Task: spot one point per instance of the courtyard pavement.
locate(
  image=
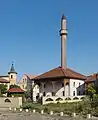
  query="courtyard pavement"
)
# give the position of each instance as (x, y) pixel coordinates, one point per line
(5, 115)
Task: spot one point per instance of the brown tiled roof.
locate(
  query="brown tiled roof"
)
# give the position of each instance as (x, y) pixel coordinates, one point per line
(4, 76)
(30, 76)
(15, 90)
(3, 80)
(91, 78)
(60, 72)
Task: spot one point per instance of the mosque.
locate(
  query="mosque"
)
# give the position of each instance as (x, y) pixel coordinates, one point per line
(60, 83)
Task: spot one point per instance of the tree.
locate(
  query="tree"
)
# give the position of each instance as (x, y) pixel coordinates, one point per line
(91, 91)
(3, 89)
(14, 86)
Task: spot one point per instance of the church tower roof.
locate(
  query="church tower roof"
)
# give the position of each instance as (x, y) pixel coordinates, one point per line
(12, 69)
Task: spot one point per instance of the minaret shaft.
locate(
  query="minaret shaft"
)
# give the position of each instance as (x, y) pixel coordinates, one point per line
(63, 52)
(63, 33)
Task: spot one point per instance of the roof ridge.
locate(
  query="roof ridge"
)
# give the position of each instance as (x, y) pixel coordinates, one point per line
(63, 71)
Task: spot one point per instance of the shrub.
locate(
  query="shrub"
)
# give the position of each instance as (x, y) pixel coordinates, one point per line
(46, 110)
(27, 106)
(95, 112)
(82, 98)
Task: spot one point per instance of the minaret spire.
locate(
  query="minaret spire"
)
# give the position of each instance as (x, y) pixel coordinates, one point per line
(63, 34)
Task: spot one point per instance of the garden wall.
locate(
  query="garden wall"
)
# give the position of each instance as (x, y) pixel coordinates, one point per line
(6, 102)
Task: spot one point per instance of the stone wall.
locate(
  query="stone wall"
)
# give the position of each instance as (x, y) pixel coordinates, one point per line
(61, 99)
(6, 102)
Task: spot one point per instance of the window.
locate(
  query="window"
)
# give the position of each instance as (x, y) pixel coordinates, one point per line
(62, 84)
(39, 84)
(11, 76)
(63, 93)
(7, 100)
(83, 92)
(44, 94)
(53, 94)
(79, 84)
(44, 86)
(73, 93)
(25, 80)
(79, 92)
(23, 86)
(74, 84)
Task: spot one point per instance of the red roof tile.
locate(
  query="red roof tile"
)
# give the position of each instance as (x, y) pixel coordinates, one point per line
(60, 72)
(91, 78)
(15, 90)
(30, 76)
(3, 80)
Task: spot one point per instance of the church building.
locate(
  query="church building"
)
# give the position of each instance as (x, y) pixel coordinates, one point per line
(61, 83)
(10, 78)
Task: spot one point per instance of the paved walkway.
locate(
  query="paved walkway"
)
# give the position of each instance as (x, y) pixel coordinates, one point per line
(30, 116)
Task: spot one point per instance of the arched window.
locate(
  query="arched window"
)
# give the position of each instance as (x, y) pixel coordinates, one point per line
(74, 84)
(11, 76)
(73, 93)
(53, 94)
(62, 84)
(79, 84)
(63, 93)
(7, 100)
(44, 94)
(23, 86)
(79, 93)
(44, 85)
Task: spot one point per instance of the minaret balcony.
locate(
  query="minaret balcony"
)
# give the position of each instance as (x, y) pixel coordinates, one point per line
(63, 32)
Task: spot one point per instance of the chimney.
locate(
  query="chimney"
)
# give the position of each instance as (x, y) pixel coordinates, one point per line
(63, 34)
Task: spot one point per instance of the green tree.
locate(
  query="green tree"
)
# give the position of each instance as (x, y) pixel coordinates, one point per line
(91, 91)
(14, 86)
(3, 89)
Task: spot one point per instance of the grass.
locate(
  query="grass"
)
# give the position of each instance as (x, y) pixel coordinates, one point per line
(81, 108)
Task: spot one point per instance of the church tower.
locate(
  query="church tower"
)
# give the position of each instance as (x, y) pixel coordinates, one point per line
(12, 75)
(63, 34)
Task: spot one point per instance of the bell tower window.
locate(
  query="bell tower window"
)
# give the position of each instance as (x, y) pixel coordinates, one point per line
(11, 76)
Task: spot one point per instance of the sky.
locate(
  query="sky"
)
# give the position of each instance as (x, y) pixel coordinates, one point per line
(29, 35)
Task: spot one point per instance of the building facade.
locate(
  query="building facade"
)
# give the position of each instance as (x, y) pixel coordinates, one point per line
(61, 82)
(91, 80)
(27, 85)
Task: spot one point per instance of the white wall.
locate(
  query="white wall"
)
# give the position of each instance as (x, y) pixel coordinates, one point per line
(58, 89)
(35, 91)
(5, 77)
(76, 88)
(26, 84)
(63, 99)
(23, 82)
(13, 79)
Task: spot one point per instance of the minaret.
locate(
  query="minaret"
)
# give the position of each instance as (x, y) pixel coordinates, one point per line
(63, 34)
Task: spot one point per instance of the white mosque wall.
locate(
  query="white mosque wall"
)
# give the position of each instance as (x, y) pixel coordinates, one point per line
(76, 87)
(72, 88)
